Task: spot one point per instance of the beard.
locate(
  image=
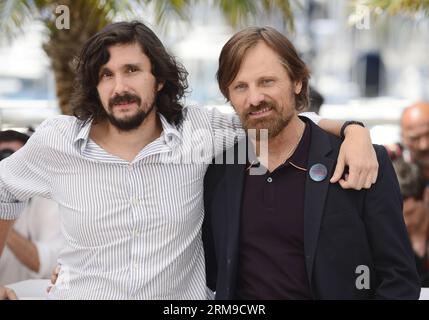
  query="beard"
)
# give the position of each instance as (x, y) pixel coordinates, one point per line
(421, 158)
(131, 122)
(274, 123)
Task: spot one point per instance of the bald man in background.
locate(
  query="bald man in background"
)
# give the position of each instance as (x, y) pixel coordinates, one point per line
(415, 138)
(415, 134)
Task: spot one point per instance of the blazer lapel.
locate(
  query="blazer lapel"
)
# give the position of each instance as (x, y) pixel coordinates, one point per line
(315, 194)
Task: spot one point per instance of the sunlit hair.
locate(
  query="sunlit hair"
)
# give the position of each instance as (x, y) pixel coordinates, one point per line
(85, 101)
(234, 51)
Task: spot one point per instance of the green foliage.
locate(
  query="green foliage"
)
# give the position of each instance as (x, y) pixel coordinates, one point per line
(15, 13)
(399, 6)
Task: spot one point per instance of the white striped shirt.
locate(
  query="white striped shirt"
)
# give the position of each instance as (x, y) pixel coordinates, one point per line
(132, 230)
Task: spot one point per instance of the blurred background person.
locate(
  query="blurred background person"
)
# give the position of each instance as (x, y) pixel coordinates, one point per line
(34, 242)
(316, 100)
(415, 135)
(416, 215)
(414, 145)
(411, 163)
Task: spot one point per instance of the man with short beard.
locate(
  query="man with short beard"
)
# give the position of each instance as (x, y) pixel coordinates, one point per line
(127, 171)
(289, 233)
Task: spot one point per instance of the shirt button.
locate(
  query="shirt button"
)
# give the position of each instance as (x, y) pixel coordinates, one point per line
(269, 179)
(135, 266)
(130, 167)
(134, 200)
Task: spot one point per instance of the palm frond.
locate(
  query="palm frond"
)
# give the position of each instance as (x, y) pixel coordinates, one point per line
(237, 12)
(14, 14)
(165, 10)
(394, 7)
(284, 7)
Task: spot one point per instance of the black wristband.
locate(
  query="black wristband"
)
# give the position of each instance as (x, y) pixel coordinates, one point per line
(346, 124)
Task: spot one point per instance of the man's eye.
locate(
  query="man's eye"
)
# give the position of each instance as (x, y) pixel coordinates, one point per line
(240, 86)
(131, 69)
(267, 81)
(105, 75)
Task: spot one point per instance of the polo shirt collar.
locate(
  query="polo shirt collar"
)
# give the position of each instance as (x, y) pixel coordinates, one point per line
(299, 157)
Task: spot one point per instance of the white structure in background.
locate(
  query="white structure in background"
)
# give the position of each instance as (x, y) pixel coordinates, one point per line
(24, 58)
(380, 115)
(26, 84)
(199, 52)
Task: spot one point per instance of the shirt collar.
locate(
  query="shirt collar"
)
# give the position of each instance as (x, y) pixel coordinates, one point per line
(299, 157)
(171, 134)
(83, 135)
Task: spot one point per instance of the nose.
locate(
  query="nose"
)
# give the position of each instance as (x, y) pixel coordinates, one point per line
(120, 86)
(255, 96)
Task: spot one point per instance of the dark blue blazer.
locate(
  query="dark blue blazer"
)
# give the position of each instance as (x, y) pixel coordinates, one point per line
(343, 229)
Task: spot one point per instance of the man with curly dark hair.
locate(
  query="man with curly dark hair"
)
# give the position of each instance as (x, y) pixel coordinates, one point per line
(169, 76)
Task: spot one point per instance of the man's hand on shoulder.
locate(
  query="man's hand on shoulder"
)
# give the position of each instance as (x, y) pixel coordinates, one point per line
(356, 152)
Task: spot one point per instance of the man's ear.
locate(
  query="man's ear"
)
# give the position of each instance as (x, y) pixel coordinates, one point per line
(159, 86)
(298, 87)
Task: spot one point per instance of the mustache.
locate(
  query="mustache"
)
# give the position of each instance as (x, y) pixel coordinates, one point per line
(260, 106)
(126, 97)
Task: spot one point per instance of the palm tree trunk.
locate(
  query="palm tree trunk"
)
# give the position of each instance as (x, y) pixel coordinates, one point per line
(64, 45)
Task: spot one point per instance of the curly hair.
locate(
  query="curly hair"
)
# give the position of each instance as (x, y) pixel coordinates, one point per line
(85, 101)
(234, 51)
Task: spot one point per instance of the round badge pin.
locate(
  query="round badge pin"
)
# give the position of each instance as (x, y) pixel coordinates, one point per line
(318, 172)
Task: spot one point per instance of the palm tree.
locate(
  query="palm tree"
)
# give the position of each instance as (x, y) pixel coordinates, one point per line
(89, 16)
(398, 6)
